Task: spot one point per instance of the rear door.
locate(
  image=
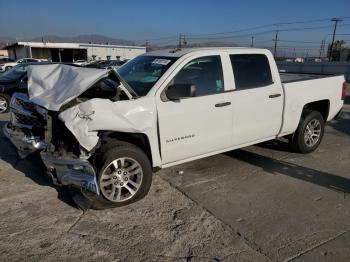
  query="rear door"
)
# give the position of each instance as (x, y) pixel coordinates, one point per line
(196, 125)
(257, 99)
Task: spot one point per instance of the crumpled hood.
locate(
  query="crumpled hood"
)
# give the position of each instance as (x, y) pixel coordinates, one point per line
(52, 86)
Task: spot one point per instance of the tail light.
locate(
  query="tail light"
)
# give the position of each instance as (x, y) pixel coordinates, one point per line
(343, 93)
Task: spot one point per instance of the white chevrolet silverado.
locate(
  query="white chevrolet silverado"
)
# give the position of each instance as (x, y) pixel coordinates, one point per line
(105, 131)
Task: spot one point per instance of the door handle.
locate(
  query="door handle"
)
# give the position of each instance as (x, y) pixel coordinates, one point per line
(274, 95)
(223, 104)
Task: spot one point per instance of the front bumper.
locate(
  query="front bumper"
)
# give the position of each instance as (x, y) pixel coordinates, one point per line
(71, 172)
(25, 145)
(68, 171)
(63, 171)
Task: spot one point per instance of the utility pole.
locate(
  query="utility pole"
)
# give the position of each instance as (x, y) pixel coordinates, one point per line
(336, 21)
(147, 45)
(180, 40)
(322, 48)
(184, 40)
(252, 43)
(276, 39)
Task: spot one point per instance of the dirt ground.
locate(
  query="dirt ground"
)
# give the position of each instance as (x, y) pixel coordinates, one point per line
(261, 203)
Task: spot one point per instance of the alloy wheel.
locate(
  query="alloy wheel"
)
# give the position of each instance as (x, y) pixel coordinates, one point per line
(121, 179)
(312, 133)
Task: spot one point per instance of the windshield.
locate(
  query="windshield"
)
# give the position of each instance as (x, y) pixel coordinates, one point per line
(143, 72)
(16, 72)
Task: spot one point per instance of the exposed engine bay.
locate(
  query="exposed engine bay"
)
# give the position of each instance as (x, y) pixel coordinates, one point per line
(40, 124)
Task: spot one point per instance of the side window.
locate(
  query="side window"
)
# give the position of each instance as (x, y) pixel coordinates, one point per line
(251, 71)
(205, 73)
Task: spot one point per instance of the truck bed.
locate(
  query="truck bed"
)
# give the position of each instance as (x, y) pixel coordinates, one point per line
(295, 77)
(302, 89)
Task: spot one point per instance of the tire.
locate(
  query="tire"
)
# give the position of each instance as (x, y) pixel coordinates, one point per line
(309, 133)
(8, 68)
(109, 179)
(4, 103)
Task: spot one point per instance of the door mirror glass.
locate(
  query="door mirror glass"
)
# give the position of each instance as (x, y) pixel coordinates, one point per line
(178, 91)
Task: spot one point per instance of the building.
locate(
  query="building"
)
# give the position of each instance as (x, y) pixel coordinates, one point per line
(3, 53)
(70, 52)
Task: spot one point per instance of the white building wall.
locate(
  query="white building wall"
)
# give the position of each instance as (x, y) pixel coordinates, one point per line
(3, 53)
(100, 51)
(113, 52)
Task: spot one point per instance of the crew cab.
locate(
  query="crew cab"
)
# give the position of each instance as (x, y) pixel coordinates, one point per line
(106, 131)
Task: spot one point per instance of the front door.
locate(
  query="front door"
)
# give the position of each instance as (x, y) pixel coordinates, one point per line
(200, 124)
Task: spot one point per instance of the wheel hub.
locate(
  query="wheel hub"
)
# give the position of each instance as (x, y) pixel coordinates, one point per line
(119, 177)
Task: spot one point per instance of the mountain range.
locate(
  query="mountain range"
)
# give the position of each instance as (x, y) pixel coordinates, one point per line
(100, 39)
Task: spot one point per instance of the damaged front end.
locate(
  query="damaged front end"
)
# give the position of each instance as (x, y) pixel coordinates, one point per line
(66, 116)
(33, 129)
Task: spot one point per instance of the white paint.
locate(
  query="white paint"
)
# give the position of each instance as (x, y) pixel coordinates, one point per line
(193, 128)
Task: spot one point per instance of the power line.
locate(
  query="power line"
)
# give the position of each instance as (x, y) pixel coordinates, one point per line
(294, 41)
(265, 26)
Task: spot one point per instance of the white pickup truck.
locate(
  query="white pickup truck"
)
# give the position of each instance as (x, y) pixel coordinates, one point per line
(106, 132)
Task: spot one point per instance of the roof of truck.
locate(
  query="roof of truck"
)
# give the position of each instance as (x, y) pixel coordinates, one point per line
(183, 51)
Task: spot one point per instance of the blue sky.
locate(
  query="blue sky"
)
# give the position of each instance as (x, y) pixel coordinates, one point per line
(136, 20)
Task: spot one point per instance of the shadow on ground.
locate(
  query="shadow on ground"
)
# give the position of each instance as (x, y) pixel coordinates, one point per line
(32, 167)
(343, 124)
(347, 100)
(274, 166)
(276, 145)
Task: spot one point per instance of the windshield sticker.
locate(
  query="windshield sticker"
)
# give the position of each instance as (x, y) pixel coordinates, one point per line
(160, 61)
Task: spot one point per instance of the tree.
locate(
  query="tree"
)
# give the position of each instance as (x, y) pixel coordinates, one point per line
(337, 47)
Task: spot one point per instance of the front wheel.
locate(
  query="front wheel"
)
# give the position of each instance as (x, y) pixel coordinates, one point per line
(309, 133)
(125, 176)
(4, 103)
(8, 68)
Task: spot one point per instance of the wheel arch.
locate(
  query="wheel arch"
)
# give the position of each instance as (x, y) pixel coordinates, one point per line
(321, 106)
(140, 140)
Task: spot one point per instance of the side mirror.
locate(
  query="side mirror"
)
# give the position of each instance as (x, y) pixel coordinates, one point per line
(178, 91)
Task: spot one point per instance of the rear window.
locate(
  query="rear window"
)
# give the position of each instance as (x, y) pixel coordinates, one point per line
(251, 70)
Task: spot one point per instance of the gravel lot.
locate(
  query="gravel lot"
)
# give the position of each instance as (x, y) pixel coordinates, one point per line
(260, 203)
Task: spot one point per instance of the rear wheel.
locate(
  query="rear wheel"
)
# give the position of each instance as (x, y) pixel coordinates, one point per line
(4, 103)
(125, 176)
(309, 133)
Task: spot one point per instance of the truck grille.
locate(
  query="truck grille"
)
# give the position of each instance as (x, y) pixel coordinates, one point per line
(27, 120)
(25, 114)
(25, 104)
